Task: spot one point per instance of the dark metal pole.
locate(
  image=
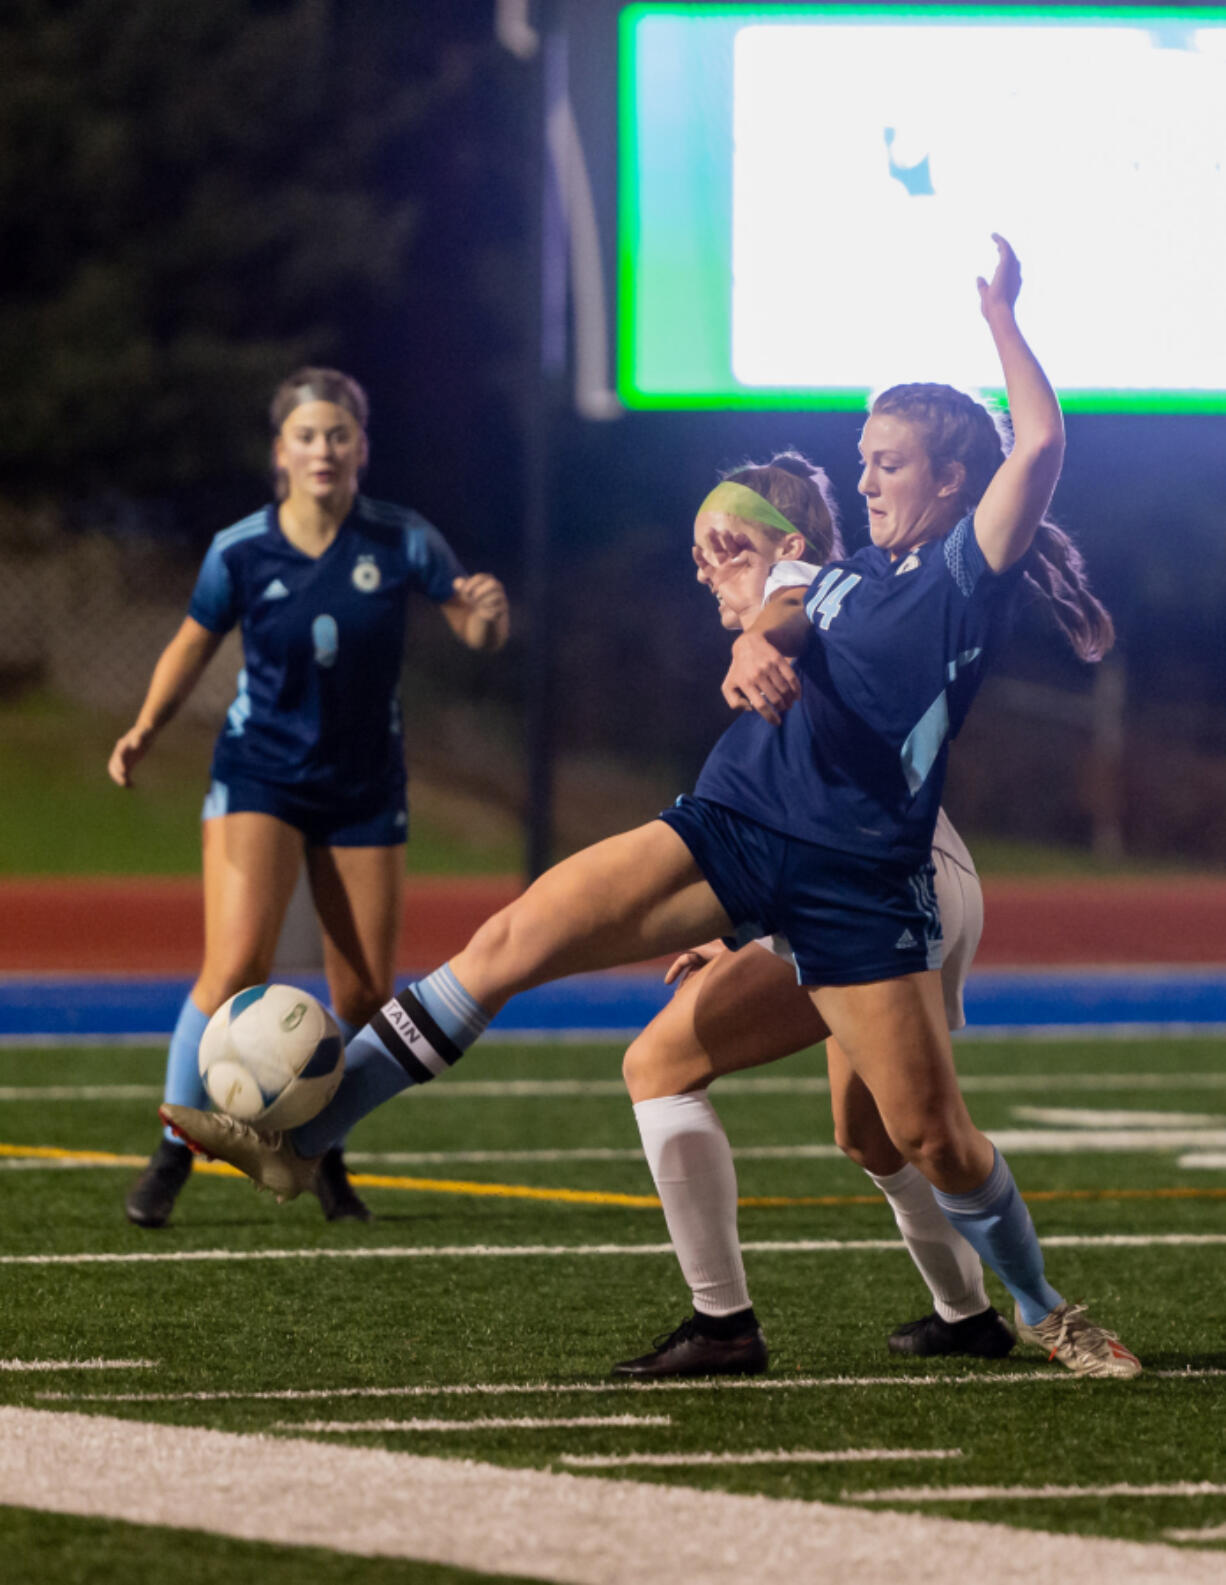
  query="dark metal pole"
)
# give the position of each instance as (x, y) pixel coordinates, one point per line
(542, 384)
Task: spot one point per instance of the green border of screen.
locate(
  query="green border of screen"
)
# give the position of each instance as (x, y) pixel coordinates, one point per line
(629, 304)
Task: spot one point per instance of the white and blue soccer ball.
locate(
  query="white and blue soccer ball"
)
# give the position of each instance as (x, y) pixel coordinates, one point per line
(272, 1056)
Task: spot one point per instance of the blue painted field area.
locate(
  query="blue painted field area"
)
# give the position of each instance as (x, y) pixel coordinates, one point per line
(67, 1007)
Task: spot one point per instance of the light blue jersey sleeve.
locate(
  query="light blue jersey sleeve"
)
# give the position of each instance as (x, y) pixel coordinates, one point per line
(431, 558)
(213, 604)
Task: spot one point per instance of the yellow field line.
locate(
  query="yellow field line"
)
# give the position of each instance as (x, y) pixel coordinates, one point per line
(106, 1158)
(524, 1191)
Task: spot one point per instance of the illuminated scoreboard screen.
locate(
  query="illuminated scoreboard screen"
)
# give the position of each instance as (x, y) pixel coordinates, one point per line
(807, 193)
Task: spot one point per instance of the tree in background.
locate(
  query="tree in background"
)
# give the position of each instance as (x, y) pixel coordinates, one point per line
(193, 198)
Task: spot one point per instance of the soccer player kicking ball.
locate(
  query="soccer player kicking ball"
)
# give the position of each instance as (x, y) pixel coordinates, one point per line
(813, 818)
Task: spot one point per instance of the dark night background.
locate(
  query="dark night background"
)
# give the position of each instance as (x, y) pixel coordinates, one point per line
(193, 199)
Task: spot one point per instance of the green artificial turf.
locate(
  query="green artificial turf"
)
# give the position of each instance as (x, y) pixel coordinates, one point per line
(411, 1323)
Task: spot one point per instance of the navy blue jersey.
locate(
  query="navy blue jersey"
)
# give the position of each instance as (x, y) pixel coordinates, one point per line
(897, 653)
(318, 704)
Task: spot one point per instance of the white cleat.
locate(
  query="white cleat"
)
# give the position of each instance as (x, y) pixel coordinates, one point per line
(1087, 1349)
(269, 1159)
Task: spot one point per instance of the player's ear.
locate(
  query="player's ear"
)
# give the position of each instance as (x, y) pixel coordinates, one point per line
(792, 548)
(953, 478)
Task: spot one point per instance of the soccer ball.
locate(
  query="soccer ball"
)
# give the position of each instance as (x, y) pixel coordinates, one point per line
(272, 1056)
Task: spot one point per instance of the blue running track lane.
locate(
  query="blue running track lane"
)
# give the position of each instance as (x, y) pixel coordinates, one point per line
(67, 1007)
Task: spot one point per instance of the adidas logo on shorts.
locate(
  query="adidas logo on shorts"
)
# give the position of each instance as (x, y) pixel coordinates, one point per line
(905, 941)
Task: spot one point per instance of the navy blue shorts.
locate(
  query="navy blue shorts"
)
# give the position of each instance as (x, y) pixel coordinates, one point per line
(850, 920)
(378, 823)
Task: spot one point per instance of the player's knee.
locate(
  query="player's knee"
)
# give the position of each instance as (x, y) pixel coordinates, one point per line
(851, 1144)
(638, 1070)
(939, 1147)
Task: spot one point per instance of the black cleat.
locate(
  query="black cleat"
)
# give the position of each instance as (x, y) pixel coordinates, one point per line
(690, 1352)
(339, 1199)
(984, 1336)
(152, 1197)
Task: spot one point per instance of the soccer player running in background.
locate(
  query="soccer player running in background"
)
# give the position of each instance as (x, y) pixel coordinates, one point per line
(813, 817)
(310, 760)
(763, 529)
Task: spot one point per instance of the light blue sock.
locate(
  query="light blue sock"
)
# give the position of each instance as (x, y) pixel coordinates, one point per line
(347, 1029)
(416, 1036)
(184, 1086)
(996, 1224)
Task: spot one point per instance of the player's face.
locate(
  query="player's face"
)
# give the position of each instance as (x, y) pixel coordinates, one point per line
(907, 504)
(321, 449)
(720, 539)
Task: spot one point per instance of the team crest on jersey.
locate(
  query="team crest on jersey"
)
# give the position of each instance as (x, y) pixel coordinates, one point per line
(366, 574)
(907, 564)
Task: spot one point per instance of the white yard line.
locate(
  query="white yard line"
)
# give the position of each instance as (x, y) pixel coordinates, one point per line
(1038, 1376)
(576, 1530)
(78, 1364)
(847, 1455)
(796, 1246)
(539, 1089)
(781, 1084)
(1077, 1141)
(1204, 1161)
(1013, 1141)
(481, 1423)
(1090, 1117)
(80, 1092)
(1178, 1488)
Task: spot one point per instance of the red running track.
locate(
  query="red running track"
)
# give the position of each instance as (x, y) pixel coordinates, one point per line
(154, 926)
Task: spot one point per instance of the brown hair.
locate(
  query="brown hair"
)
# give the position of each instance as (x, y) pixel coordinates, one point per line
(959, 428)
(801, 492)
(318, 385)
(313, 384)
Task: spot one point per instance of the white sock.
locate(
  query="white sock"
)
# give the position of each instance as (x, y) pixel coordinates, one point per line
(943, 1258)
(691, 1161)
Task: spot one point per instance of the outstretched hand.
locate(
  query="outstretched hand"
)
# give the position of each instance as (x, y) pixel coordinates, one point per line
(738, 578)
(723, 546)
(1002, 290)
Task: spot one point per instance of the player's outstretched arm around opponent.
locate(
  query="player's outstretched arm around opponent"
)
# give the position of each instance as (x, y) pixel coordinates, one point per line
(737, 1010)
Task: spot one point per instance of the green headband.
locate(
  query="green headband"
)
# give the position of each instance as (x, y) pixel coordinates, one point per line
(738, 500)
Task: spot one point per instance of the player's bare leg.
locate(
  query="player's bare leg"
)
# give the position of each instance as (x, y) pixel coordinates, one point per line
(894, 1035)
(636, 896)
(356, 892)
(250, 864)
(742, 1010)
(962, 1320)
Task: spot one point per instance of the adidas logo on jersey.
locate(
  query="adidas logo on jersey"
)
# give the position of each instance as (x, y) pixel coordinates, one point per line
(904, 941)
(276, 590)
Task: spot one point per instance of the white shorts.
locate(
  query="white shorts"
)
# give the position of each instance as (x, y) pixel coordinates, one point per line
(960, 900)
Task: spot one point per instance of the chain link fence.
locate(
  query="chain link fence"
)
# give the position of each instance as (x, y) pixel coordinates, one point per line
(83, 617)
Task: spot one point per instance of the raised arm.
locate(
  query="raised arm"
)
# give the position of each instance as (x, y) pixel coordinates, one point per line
(1021, 489)
(478, 613)
(177, 672)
